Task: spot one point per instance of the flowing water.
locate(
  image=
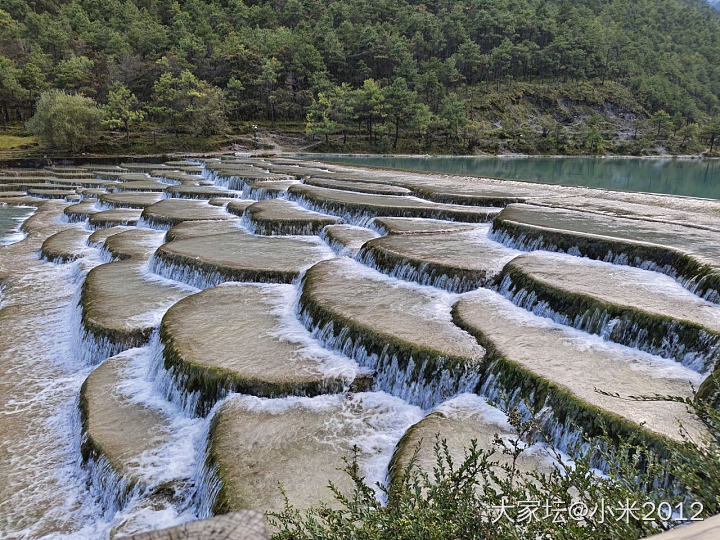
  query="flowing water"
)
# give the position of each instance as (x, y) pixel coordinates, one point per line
(45, 489)
(688, 177)
(11, 217)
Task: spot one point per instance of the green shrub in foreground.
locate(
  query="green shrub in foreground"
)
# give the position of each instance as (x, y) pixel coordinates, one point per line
(483, 498)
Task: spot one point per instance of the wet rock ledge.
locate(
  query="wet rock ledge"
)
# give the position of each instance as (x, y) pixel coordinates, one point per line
(242, 525)
(264, 317)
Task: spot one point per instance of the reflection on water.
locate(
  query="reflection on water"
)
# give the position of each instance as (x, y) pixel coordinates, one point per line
(690, 177)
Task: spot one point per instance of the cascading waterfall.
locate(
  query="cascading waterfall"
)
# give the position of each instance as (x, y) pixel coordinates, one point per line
(172, 384)
(389, 376)
(58, 379)
(167, 474)
(109, 489)
(701, 357)
(147, 222)
(247, 225)
(259, 193)
(102, 499)
(206, 482)
(563, 436)
(421, 273)
(89, 348)
(73, 218)
(149, 381)
(338, 248)
(200, 279)
(234, 183)
(695, 284)
(361, 218)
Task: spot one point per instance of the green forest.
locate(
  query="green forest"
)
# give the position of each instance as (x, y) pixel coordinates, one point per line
(551, 76)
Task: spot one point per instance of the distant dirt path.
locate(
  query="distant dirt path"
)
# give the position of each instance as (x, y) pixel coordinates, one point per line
(279, 142)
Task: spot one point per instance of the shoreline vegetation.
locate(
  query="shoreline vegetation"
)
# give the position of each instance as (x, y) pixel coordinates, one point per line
(462, 77)
(25, 150)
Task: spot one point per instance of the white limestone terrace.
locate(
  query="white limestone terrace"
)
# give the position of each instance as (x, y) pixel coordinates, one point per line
(376, 308)
(644, 309)
(686, 252)
(701, 213)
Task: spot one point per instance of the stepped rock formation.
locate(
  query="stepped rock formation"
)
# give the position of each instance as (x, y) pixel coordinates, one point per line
(169, 212)
(278, 216)
(182, 337)
(456, 261)
(458, 422)
(232, 338)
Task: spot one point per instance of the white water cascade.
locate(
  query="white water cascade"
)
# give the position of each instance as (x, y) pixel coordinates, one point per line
(49, 355)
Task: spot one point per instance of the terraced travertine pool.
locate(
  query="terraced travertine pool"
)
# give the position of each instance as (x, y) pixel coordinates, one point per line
(176, 339)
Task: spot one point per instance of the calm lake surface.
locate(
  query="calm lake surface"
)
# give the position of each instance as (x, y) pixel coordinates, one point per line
(11, 217)
(690, 177)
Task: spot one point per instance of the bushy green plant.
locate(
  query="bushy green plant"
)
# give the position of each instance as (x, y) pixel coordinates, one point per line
(573, 501)
(66, 121)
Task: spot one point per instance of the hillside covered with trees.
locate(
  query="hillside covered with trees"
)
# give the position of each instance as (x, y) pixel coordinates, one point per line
(554, 76)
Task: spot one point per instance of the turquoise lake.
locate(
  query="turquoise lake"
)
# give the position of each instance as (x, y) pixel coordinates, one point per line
(689, 177)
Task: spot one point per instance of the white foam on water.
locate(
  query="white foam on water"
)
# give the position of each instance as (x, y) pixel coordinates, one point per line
(291, 330)
(398, 376)
(147, 274)
(12, 238)
(524, 242)
(175, 459)
(173, 462)
(441, 300)
(372, 421)
(652, 365)
(422, 273)
(171, 385)
(180, 273)
(648, 281)
(48, 486)
(144, 223)
(699, 355)
(465, 406)
(168, 181)
(340, 249)
(386, 420)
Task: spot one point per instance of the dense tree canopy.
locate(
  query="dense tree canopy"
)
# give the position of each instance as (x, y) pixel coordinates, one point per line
(287, 59)
(66, 121)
